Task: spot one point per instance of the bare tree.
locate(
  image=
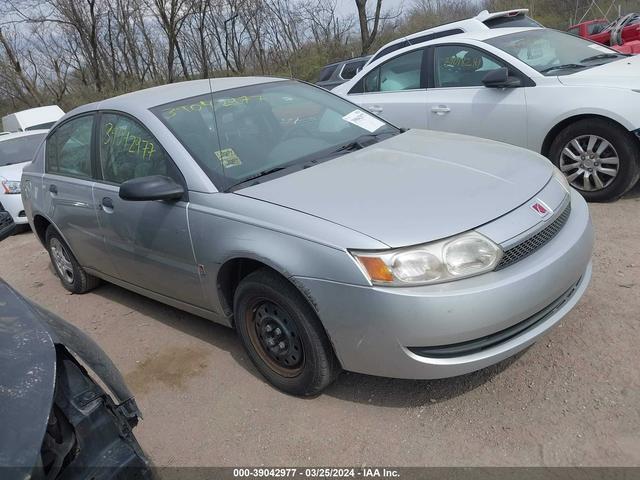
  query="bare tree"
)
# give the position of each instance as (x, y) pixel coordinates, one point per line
(171, 15)
(368, 32)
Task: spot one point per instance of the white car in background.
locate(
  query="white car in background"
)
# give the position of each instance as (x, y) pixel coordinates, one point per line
(37, 118)
(16, 151)
(572, 100)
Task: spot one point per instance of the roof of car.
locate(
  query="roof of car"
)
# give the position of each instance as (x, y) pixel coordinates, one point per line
(28, 133)
(151, 97)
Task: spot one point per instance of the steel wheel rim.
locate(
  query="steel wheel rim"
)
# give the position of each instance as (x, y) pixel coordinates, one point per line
(590, 163)
(274, 335)
(61, 260)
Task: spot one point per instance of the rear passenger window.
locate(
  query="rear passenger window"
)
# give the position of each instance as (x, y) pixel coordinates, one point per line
(69, 148)
(403, 72)
(128, 150)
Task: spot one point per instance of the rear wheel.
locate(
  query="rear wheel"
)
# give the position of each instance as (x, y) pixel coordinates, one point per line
(599, 158)
(71, 274)
(283, 335)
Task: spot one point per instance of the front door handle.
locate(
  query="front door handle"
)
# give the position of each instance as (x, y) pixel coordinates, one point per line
(440, 110)
(107, 205)
(53, 189)
(375, 109)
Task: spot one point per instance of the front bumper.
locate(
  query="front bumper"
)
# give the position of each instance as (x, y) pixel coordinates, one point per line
(12, 203)
(372, 328)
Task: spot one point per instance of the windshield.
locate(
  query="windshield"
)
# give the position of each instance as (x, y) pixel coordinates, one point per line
(554, 53)
(251, 132)
(19, 150)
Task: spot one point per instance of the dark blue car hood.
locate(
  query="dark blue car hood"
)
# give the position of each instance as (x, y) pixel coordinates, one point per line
(28, 338)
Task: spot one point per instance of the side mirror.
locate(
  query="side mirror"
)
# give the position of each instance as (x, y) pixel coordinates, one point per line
(7, 226)
(500, 78)
(155, 187)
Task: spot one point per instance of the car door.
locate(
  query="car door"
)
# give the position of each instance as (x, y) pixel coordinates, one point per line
(460, 103)
(66, 191)
(148, 241)
(396, 90)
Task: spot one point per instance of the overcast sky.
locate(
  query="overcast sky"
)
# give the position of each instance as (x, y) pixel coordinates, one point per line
(346, 7)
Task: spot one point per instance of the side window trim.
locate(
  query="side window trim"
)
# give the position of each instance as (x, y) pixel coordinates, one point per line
(96, 153)
(47, 171)
(526, 80)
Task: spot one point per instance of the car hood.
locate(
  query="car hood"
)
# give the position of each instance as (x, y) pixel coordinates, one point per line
(27, 381)
(13, 172)
(28, 336)
(413, 188)
(624, 73)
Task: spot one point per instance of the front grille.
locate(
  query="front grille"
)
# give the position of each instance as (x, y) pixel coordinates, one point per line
(479, 344)
(532, 244)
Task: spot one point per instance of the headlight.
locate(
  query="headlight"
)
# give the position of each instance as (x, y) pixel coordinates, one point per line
(11, 186)
(456, 257)
(560, 177)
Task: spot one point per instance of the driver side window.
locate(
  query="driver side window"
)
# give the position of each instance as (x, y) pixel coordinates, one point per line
(128, 150)
(461, 66)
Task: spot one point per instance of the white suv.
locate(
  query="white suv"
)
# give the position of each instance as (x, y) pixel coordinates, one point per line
(483, 21)
(575, 101)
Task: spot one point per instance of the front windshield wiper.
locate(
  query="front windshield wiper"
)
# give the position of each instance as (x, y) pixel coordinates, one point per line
(601, 56)
(360, 142)
(263, 173)
(563, 67)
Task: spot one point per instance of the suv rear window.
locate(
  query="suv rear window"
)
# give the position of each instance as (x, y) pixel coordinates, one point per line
(326, 72)
(351, 68)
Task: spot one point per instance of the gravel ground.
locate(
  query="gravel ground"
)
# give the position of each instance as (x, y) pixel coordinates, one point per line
(571, 399)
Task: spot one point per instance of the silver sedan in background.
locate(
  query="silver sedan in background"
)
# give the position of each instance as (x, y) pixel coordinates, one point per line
(328, 238)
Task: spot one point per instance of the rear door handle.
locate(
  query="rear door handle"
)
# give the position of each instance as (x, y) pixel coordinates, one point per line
(375, 109)
(107, 205)
(440, 109)
(53, 189)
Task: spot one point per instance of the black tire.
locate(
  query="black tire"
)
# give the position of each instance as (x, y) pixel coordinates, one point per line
(625, 145)
(73, 277)
(303, 334)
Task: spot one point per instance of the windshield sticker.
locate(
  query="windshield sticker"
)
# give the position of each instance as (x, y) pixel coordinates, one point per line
(363, 120)
(228, 158)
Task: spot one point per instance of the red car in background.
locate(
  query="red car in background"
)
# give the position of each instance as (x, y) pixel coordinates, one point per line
(622, 35)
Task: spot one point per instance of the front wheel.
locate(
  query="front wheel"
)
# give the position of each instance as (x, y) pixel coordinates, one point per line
(282, 335)
(599, 158)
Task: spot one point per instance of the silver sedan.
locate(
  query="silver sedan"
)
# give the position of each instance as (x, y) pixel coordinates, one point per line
(328, 238)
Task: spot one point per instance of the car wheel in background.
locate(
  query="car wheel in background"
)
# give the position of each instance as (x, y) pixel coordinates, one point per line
(71, 274)
(599, 158)
(282, 335)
